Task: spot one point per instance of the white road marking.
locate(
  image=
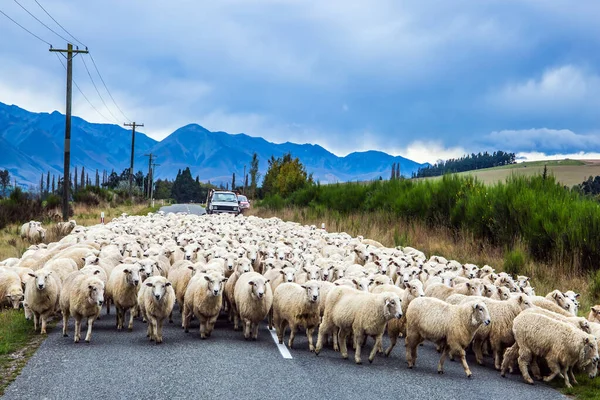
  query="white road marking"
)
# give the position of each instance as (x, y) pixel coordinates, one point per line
(285, 353)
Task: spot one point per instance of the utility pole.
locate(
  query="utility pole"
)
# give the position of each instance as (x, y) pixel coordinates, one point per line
(152, 184)
(244, 178)
(133, 126)
(149, 172)
(66, 173)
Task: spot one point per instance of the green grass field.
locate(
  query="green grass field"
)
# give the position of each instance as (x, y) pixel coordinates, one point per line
(567, 172)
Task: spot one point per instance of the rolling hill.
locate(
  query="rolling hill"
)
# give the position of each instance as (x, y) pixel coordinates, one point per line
(32, 143)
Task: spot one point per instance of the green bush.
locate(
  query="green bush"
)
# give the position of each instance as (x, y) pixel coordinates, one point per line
(52, 201)
(595, 285)
(514, 261)
(274, 202)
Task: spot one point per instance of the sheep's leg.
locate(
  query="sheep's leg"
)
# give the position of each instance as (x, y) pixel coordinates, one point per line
(211, 325)
(171, 317)
(77, 335)
(477, 349)
(65, 323)
(236, 321)
(442, 359)
(535, 369)
(572, 375)
(107, 306)
(309, 334)
(376, 347)
(246, 329)
(36, 318)
(463, 360)
(509, 358)
(255, 331)
(524, 360)
(336, 339)
(270, 318)
(497, 350)
(158, 324)
(554, 370)
(324, 329)
(149, 330)
(131, 315)
(293, 329)
(411, 342)
(342, 336)
(44, 318)
(185, 318)
(393, 331)
(202, 328)
(90, 322)
(119, 318)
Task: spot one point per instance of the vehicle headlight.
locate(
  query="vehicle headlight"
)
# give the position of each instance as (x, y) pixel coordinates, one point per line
(210, 207)
(235, 208)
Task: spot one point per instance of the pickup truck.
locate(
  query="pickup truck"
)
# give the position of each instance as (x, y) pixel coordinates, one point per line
(220, 201)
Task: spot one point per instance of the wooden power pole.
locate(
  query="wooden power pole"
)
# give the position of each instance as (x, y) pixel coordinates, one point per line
(133, 125)
(66, 173)
(149, 173)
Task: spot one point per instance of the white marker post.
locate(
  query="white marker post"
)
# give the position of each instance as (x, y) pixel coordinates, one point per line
(102, 217)
(323, 225)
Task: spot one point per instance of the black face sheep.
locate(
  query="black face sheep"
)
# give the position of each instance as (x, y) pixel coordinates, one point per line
(449, 326)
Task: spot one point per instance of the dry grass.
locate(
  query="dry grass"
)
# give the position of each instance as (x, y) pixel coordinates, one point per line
(461, 246)
(565, 172)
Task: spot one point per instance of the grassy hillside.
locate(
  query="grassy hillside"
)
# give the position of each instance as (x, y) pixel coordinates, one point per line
(567, 172)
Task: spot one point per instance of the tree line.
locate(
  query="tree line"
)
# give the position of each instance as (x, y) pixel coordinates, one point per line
(468, 162)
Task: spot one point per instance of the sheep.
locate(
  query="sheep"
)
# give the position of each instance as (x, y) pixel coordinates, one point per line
(414, 289)
(549, 305)
(11, 290)
(81, 296)
(562, 345)
(41, 295)
(557, 297)
(243, 266)
(295, 305)
(61, 267)
(499, 332)
(442, 292)
(203, 298)
(122, 289)
(156, 299)
(253, 299)
(64, 228)
(309, 273)
(594, 315)
(451, 327)
(571, 295)
(360, 313)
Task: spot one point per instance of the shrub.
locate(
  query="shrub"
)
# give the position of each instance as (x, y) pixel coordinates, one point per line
(52, 201)
(274, 202)
(514, 261)
(595, 285)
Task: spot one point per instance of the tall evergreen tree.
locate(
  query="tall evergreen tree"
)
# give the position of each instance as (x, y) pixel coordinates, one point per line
(393, 172)
(48, 182)
(74, 180)
(53, 184)
(97, 179)
(82, 186)
(233, 181)
(254, 175)
(398, 171)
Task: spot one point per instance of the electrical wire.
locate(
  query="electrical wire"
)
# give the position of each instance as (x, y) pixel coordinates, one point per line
(106, 87)
(97, 91)
(25, 29)
(57, 23)
(81, 91)
(38, 20)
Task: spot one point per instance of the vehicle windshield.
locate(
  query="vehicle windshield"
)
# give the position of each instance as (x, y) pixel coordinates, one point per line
(226, 197)
(242, 198)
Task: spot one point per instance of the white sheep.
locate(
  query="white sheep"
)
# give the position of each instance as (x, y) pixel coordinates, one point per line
(156, 298)
(451, 327)
(296, 305)
(203, 298)
(11, 290)
(41, 295)
(82, 297)
(122, 288)
(360, 313)
(253, 299)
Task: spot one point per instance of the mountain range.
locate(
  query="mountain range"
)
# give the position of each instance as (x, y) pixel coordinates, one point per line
(32, 144)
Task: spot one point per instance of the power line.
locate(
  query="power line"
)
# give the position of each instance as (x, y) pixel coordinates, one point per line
(25, 29)
(106, 87)
(97, 91)
(57, 23)
(38, 20)
(80, 91)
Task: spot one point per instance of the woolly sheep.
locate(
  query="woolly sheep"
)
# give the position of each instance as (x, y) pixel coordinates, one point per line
(203, 298)
(253, 299)
(156, 298)
(295, 305)
(452, 327)
(61, 267)
(562, 301)
(359, 313)
(442, 292)
(11, 290)
(122, 288)
(82, 297)
(562, 345)
(594, 315)
(41, 295)
(549, 305)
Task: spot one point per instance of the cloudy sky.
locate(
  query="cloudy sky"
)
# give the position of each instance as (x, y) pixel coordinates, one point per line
(422, 79)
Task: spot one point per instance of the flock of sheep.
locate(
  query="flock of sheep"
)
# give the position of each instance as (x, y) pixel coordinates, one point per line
(295, 276)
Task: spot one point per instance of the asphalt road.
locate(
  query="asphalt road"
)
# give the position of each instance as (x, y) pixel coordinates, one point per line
(125, 365)
(187, 208)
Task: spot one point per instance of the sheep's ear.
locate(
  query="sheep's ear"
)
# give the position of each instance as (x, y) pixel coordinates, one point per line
(586, 340)
(97, 272)
(267, 281)
(475, 306)
(372, 280)
(354, 281)
(251, 283)
(148, 284)
(555, 295)
(127, 271)
(577, 295)
(305, 270)
(207, 278)
(377, 263)
(336, 284)
(121, 261)
(31, 274)
(282, 272)
(222, 280)
(191, 267)
(90, 287)
(499, 290)
(468, 285)
(520, 299)
(83, 258)
(303, 286)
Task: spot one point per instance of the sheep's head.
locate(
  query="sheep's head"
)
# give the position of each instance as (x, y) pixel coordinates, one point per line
(312, 273)
(481, 314)
(415, 288)
(392, 305)
(489, 290)
(132, 274)
(15, 296)
(259, 287)
(474, 288)
(363, 284)
(215, 283)
(159, 286)
(595, 314)
(589, 352)
(503, 293)
(312, 291)
(40, 278)
(243, 265)
(523, 301)
(96, 292)
(289, 274)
